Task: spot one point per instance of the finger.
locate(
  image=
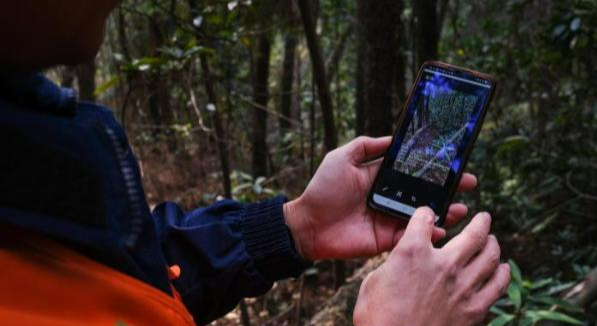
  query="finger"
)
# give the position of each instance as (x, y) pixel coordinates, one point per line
(494, 288)
(438, 234)
(363, 149)
(372, 168)
(456, 213)
(484, 265)
(385, 231)
(420, 228)
(471, 240)
(468, 182)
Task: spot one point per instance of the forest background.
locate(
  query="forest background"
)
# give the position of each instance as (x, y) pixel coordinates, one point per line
(243, 99)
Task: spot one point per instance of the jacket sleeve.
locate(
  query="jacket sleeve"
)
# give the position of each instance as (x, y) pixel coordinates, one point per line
(226, 252)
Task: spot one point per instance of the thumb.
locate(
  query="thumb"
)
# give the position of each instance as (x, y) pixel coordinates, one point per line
(364, 149)
(420, 228)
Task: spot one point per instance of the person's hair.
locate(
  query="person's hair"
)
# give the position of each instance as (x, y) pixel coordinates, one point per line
(37, 34)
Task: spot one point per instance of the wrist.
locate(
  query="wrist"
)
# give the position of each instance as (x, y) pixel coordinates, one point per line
(296, 220)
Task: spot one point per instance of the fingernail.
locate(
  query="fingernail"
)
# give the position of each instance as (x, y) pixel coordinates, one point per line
(506, 267)
(485, 215)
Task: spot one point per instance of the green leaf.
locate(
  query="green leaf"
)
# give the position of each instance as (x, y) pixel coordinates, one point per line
(258, 185)
(501, 320)
(564, 304)
(232, 4)
(240, 188)
(525, 321)
(557, 288)
(537, 315)
(198, 21)
(497, 311)
(541, 283)
(575, 24)
(118, 57)
(559, 31)
(106, 86)
(515, 294)
(260, 180)
(270, 192)
(513, 143)
(144, 64)
(516, 274)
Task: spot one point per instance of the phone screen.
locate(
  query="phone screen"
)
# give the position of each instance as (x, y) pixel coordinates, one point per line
(431, 145)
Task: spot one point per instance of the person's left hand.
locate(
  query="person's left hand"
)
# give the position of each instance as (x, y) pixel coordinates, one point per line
(331, 220)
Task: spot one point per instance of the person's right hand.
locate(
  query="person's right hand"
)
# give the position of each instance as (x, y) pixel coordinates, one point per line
(420, 285)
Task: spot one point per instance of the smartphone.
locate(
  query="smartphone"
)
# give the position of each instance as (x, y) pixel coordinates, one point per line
(436, 133)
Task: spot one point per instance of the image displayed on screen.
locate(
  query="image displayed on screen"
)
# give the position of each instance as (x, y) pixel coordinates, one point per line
(435, 132)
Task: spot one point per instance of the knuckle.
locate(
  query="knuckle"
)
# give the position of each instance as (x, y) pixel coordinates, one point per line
(494, 251)
(409, 250)
(466, 294)
(449, 268)
(478, 238)
(356, 144)
(331, 154)
(476, 311)
(360, 139)
(494, 257)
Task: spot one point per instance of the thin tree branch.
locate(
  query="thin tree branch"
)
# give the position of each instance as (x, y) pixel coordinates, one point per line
(577, 191)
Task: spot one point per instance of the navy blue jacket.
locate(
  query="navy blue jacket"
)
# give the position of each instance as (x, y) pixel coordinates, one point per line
(67, 171)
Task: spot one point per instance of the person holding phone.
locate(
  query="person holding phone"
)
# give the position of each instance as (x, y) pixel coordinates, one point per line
(79, 244)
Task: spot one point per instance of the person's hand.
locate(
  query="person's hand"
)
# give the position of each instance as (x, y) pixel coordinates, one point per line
(331, 218)
(422, 286)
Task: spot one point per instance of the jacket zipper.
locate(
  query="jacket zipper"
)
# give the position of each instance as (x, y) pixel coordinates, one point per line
(132, 189)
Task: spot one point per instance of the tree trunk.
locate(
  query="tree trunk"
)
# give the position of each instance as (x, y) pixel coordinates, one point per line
(334, 59)
(260, 97)
(360, 103)
(319, 73)
(217, 122)
(379, 26)
(154, 88)
(360, 96)
(290, 44)
(400, 72)
(426, 30)
(86, 80)
(220, 138)
(123, 48)
(442, 11)
(325, 101)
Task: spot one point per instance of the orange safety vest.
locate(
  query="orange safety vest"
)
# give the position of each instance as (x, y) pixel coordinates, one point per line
(43, 283)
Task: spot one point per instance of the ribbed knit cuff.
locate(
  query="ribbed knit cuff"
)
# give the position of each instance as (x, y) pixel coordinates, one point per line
(269, 241)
